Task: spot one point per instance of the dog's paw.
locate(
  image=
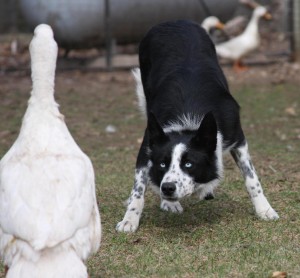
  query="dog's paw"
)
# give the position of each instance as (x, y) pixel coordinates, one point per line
(127, 226)
(209, 196)
(269, 214)
(171, 206)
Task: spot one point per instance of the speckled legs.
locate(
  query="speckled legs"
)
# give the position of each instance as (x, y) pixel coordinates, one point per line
(135, 206)
(261, 205)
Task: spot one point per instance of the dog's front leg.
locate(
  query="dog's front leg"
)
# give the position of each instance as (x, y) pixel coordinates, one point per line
(135, 206)
(262, 207)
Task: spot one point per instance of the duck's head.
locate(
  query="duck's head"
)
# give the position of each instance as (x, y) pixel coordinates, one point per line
(261, 11)
(212, 22)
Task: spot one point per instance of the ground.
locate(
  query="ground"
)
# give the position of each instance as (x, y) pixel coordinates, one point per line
(217, 238)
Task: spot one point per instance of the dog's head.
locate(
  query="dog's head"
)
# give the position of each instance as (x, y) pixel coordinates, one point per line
(183, 161)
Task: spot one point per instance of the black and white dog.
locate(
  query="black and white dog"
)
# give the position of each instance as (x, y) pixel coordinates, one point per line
(192, 121)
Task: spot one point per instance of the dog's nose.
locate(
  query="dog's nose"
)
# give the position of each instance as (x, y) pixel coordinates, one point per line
(168, 188)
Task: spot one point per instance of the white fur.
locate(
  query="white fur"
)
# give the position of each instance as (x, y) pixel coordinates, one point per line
(261, 205)
(184, 122)
(49, 218)
(135, 206)
(136, 72)
(174, 207)
(184, 183)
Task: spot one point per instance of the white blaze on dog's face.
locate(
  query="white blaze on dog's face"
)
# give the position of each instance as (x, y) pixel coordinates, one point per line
(183, 161)
(176, 183)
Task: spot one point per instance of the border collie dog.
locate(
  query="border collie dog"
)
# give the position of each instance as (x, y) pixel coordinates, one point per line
(192, 120)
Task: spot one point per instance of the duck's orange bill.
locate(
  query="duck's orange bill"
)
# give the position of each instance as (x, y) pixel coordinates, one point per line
(220, 25)
(267, 16)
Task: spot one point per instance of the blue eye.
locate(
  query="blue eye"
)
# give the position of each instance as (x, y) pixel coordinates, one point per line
(162, 165)
(188, 165)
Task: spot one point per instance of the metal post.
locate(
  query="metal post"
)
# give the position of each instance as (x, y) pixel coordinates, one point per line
(296, 30)
(290, 28)
(108, 35)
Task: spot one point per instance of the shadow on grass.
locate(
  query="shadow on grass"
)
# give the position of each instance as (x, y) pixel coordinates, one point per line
(196, 213)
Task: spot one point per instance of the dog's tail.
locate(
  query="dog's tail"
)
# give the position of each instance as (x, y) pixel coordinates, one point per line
(139, 89)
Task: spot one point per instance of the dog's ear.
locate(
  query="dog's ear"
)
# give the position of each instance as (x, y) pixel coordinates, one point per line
(155, 131)
(206, 135)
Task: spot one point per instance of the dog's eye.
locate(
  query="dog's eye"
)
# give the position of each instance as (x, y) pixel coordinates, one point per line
(188, 165)
(162, 165)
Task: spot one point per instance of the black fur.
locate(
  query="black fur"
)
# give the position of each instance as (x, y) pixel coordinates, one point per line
(181, 75)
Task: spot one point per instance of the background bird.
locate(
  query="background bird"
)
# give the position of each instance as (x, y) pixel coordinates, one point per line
(49, 218)
(238, 47)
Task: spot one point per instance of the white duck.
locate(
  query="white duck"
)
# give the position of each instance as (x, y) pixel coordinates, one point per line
(237, 48)
(49, 218)
(211, 22)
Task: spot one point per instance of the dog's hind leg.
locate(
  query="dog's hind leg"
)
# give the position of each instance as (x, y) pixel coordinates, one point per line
(261, 205)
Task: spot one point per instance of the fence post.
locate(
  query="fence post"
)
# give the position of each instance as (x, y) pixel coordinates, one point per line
(296, 30)
(108, 35)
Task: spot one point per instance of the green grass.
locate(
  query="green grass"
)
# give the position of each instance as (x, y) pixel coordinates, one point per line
(218, 238)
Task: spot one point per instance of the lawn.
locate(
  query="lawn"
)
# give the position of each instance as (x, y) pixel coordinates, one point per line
(217, 238)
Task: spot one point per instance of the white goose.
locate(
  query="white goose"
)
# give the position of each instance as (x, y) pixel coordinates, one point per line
(49, 218)
(237, 48)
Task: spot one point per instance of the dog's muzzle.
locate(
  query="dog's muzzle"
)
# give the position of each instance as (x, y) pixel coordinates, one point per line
(168, 190)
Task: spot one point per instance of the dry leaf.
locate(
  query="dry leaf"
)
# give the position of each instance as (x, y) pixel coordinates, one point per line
(279, 274)
(290, 111)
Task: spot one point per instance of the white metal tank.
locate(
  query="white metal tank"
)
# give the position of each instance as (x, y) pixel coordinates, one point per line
(81, 23)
